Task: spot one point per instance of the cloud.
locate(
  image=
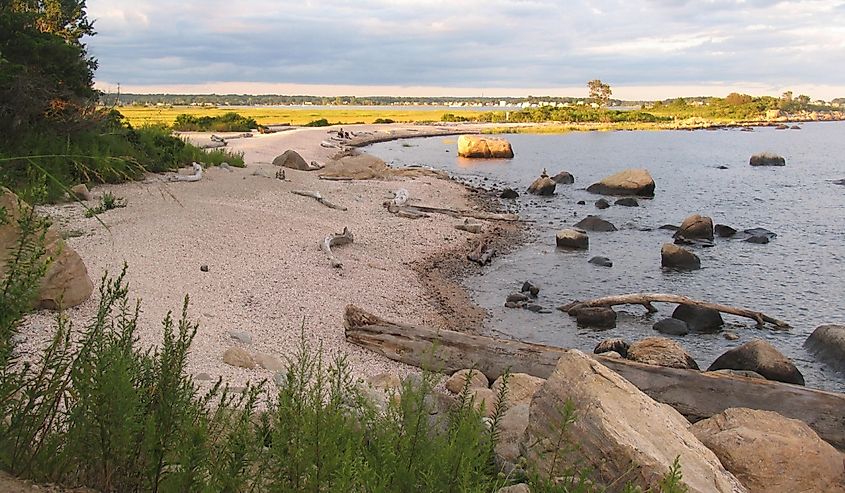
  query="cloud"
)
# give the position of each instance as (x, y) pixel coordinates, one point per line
(469, 43)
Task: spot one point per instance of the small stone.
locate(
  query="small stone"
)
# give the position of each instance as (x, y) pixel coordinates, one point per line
(280, 379)
(241, 336)
(80, 192)
(238, 357)
(627, 202)
(514, 304)
(517, 488)
(516, 298)
(582, 202)
(601, 261)
(204, 268)
(730, 335)
(602, 204)
(509, 193)
(269, 362)
(202, 376)
(530, 288)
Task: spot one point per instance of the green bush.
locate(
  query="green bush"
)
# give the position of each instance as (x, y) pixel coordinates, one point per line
(451, 117)
(227, 122)
(384, 120)
(322, 122)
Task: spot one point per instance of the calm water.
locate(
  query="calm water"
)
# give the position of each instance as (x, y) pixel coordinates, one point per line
(798, 277)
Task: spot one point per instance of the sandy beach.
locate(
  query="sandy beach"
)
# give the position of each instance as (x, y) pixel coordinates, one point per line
(266, 274)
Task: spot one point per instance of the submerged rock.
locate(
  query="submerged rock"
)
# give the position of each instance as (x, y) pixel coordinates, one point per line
(672, 327)
(564, 178)
(767, 159)
(724, 231)
(601, 261)
(699, 319)
(598, 317)
(602, 204)
(509, 193)
(627, 202)
(761, 357)
(595, 223)
(632, 181)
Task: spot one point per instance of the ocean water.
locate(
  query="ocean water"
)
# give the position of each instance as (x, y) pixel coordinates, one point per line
(799, 277)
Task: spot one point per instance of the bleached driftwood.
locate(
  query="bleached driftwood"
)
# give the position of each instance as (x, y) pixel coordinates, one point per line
(646, 300)
(489, 216)
(401, 197)
(696, 395)
(197, 176)
(336, 240)
(215, 138)
(470, 226)
(482, 254)
(319, 198)
(328, 144)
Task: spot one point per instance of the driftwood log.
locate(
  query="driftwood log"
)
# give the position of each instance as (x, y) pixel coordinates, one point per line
(197, 176)
(336, 240)
(646, 300)
(319, 198)
(482, 254)
(696, 395)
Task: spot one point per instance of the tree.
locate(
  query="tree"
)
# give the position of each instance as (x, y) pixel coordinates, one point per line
(787, 96)
(599, 91)
(736, 99)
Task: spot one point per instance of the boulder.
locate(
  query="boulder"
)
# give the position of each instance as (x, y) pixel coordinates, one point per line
(80, 192)
(769, 453)
(66, 282)
(291, 159)
(828, 343)
(484, 400)
(618, 432)
(633, 181)
(602, 204)
(767, 159)
(760, 236)
(601, 261)
(674, 257)
(595, 223)
(564, 178)
(572, 239)
(521, 387)
(600, 317)
(517, 298)
(659, 351)
(761, 357)
(385, 381)
(509, 193)
(627, 202)
(235, 356)
(672, 327)
(511, 430)
(477, 146)
(543, 185)
(696, 227)
(268, 362)
(758, 240)
(477, 380)
(699, 319)
(615, 345)
(724, 231)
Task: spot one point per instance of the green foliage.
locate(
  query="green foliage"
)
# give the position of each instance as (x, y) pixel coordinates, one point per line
(227, 122)
(579, 114)
(599, 92)
(322, 122)
(107, 202)
(384, 120)
(451, 117)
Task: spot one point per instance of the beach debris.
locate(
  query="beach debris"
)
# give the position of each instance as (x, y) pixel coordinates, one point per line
(336, 239)
(203, 268)
(470, 226)
(80, 192)
(197, 176)
(319, 198)
(280, 174)
(646, 300)
(482, 254)
(401, 197)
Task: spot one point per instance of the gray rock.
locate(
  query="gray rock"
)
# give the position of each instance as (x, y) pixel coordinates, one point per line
(564, 178)
(730, 335)
(595, 223)
(542, 185)
(699, 319)
(757, 240)
(627, 202)
(291, 159)
(671, 326)
(509, 193)
(528, 287)
(761, 357)
(669, 227)
(516, 298)
(517, 488)
(601, 261)
(280, 379)
(602, 204)
(241, 336)
(724, 231)
(203, 268)
(828, 343)
(596, 317)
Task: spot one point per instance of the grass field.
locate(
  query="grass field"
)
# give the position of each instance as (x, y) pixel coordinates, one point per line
(138, 115)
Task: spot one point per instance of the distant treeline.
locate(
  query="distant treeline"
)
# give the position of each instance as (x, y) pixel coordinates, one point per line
(543, 114)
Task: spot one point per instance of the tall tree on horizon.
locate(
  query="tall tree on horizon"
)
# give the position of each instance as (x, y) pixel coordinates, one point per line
(599, 91)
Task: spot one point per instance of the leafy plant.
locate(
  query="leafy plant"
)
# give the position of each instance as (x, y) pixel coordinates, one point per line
(108, 201)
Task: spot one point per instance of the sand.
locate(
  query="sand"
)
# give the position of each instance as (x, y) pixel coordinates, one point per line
(266, 274)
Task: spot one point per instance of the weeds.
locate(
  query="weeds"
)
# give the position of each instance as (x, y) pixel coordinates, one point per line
(108, 201)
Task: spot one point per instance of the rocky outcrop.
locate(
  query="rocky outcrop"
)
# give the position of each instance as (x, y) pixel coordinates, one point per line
(595, 223)
(672, 327)
(564, 178)
(618, 431)
(66, 282)
(477, 380)
(542, 185)
(828, 343)
(674, 257)
(572, 239)
(769, 453)
(659, 351)
(600, 317)
(291, 159)
(616, 345)
(761, 357)
(699, 319)
(633, 181)
(767, 159)
(476, 146)
(696, 227)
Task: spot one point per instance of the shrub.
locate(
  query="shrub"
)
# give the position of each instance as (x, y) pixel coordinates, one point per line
(227, 122)
(107, 202)
(384, 120)
(322, 122)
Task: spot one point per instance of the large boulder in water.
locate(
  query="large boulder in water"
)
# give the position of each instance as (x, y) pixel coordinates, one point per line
(672, 327)
(66, 282)
(767, 159)
(696, 227)
(660, 351)
(761, 357)
(769, 453)
(828, 343)
(674, 257)
(621, 434)
(573, 239)
(599, 317)
(476, 146)
(633, 181)
(543, 185)
(291, 159)
(595, 223)
(699, 319)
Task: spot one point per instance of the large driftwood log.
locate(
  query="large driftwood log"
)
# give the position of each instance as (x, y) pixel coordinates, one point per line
(197, 176)
(696, 395)
(646, 300)
(319, 198)
(336, 240)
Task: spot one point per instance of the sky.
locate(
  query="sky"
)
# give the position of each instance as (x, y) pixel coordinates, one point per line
(645, 49)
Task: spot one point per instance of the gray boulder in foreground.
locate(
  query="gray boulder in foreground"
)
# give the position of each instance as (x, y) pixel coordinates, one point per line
(619, 432)
(761, 357)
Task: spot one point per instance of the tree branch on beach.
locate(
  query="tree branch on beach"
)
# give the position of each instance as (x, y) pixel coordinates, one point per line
(319, 198)
(336, 239)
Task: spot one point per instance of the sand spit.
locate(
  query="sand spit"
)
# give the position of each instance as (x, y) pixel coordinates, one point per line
(266, 274)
